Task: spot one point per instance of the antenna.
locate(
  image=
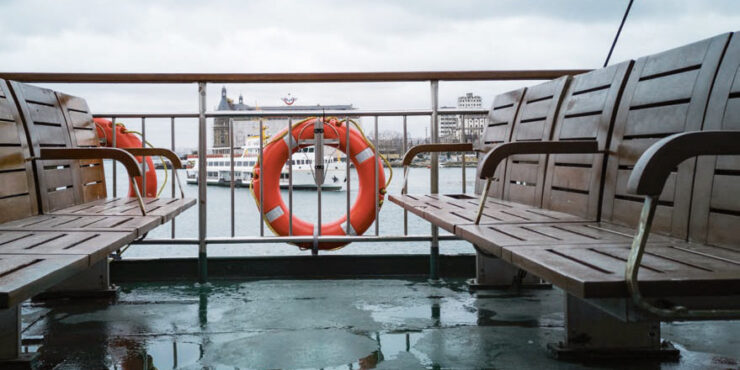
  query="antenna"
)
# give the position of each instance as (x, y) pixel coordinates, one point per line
(619, 31)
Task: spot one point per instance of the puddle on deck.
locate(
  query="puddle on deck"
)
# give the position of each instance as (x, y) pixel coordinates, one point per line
(329, 324)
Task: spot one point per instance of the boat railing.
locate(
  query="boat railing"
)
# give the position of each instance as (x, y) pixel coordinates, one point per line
(202, 114)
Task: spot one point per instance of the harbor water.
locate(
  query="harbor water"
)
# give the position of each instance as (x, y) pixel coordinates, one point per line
(334, 203)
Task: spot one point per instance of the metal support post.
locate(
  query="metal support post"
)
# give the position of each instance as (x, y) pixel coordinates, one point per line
(202, 176)
(591, 333)
(434, 183)
(493, 273)
(10, 333)
(94, 282)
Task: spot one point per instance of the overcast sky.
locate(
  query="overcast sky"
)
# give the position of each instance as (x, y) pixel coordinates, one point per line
(313, 36)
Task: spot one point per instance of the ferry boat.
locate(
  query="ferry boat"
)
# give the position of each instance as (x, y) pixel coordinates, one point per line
(218, 167)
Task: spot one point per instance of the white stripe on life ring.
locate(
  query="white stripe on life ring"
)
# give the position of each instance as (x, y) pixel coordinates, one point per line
(352, 231)
(274, 214)
(364, 155)
(292, 141)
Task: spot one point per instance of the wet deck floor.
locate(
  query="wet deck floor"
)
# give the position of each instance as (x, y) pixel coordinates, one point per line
(330, 324)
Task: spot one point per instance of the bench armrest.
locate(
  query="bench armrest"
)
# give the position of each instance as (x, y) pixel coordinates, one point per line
(655, 165)
(435, 148)
(648, 178)
(140, 152)
(128, 161)
(173, 158)
(429, 148)
(487, 167)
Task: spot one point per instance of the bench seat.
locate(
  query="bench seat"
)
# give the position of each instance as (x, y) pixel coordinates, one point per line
(450, 211)
(164, 208)
(667, 269)
(140, 225)
(33, 261)
(499, 240)
(23, 276)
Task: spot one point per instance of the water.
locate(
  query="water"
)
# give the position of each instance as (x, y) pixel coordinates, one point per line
(247, 220)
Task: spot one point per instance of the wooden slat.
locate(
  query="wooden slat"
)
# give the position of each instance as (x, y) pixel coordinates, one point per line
(17, 207)
(23, 276)
(13, 183)
(95, 246)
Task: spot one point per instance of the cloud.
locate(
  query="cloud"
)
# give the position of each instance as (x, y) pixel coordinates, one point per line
(332, 35)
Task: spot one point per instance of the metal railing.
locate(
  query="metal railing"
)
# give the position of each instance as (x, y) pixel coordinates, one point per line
(202, 115)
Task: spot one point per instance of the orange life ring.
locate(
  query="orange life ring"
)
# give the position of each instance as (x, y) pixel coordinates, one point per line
(276, 154)
(126, 139)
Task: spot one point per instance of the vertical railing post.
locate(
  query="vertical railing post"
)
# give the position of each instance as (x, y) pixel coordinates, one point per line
(375, 180)
(262, 176)
(290, 176)
(434, 183)
(115, 177)
(172, 183)
(348, 160)
(463, 139)
(405, 184)
(202, 178)
(143, 158)
(231, 173)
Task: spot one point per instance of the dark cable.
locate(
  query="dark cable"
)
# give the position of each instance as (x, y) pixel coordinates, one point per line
(619, 31)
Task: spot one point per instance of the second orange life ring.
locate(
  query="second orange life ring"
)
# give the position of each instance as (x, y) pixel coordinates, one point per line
(364, 158)
(126, 139)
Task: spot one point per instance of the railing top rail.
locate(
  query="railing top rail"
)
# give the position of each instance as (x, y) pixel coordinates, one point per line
(295, 113)
(173, 78)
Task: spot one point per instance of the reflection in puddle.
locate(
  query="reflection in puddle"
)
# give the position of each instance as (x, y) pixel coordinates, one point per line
(127, 354)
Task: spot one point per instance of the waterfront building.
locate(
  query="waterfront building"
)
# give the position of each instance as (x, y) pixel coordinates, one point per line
(448, 127)
(475, 123)
(246, 127)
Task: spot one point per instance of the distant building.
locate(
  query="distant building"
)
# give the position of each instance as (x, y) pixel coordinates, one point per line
(246, 127)
(448, 127)
(475, 123)
(451, 126)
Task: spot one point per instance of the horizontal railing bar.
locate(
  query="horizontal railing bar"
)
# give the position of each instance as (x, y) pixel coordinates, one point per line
(503, 75)
(300, 239)
(297, 113)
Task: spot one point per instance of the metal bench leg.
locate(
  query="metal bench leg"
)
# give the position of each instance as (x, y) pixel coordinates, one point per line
(493, 273)
(10, 341)
(91, 283)
(591, 333)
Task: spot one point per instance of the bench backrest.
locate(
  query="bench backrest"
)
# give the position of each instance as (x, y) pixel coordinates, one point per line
(47, 119)
(83, 134)
(573, 182)
(666, 93)
(17, 190)
(715, 208)
(500, 122)
(525, 174)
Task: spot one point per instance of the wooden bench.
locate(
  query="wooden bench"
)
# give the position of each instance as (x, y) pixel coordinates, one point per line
(636, 201)
(49, 162)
